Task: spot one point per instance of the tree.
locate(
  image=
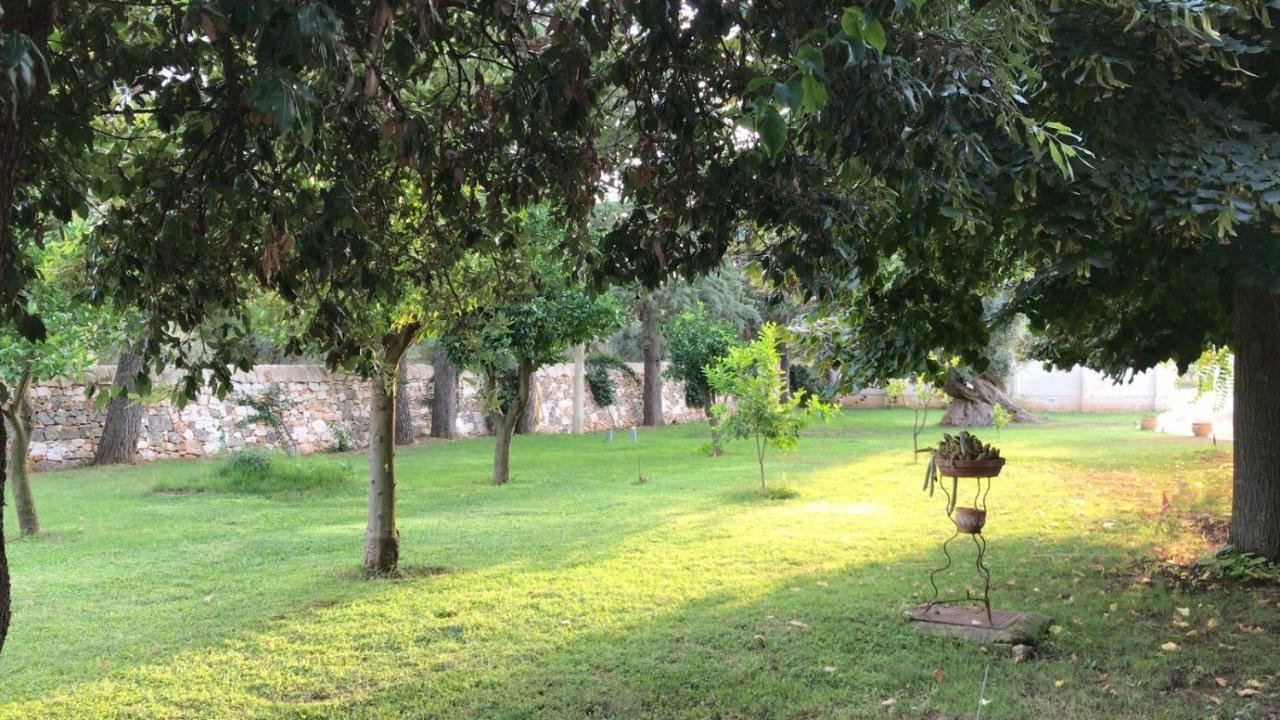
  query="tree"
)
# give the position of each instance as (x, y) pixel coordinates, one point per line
(123, 422)
(528, 311)
(750, 375)
(66, 350)
(919, 396)
(444, 397)
(695, 343)
(348, 158)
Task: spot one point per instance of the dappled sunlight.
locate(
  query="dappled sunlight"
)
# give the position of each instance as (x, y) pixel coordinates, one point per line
(586, 594)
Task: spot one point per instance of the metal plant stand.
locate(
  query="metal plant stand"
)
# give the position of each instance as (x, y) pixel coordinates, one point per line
(971, 525)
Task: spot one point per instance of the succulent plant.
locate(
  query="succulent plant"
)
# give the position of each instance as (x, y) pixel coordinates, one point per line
(964, 446)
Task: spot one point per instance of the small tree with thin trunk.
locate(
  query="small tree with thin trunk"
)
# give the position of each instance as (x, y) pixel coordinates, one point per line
(66, 351)
(750, 376)
(524, 336)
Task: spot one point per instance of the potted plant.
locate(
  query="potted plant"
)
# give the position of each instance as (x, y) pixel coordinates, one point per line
(1150, 422)
(963, 455)
(1202, 428)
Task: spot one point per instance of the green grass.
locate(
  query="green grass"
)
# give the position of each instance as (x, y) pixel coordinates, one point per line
(575, 592)
(255, 472)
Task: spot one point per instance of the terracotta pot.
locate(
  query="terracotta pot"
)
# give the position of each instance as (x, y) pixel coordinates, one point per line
(969, 468)
(1202, 429)
(1149, 423)
(970, 520)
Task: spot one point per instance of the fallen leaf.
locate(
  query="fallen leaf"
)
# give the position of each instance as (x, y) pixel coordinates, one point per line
(1169, 647)
(1215, 699)
(1059, 683)
(829, 669)
(889, 702)
(798, 624)
(1184, 612)
(1246, 692)
(1212, 624)
(1254, 683)
(1055, 629)
(938, 677)
(1222, 682)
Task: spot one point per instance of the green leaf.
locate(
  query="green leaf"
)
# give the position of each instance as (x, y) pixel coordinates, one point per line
(815, 94)
(810, 58)
(852, 22)
(873, 35)
(773, 130)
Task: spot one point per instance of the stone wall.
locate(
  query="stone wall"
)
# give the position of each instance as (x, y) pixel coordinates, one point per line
(325, 406)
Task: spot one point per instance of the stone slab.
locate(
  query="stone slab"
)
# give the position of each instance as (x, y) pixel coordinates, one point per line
(970, 623)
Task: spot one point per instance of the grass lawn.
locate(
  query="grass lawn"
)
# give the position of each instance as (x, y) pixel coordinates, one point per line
(576, 593)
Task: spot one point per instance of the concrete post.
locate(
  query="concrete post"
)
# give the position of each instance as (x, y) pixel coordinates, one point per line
(579, 386)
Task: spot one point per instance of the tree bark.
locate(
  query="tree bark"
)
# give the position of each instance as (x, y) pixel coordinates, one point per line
(19, 421)
(404, 414)
(382, 538)
(972, 403)
(651, 328)
(5, 599)
(528, 421)
(504, 425)
(444, 400)
(123, 424)
(1255, 501)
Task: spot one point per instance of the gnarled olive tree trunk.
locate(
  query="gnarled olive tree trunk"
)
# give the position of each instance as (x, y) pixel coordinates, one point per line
(973, 401)
(1255, 500)
(123, 424)
(651, 329)
(444, 400)
(504, 421)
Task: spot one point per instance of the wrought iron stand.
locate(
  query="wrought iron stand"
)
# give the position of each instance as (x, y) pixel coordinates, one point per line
(973, 527)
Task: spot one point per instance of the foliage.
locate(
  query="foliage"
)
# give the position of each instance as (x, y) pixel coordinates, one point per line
(342, 441)
(1244, 568)
(599, 367)
(749, 376)
(258, 472)
(695, 342)
(919, 396)
(805, 378)
(1001, 417)
(1214, 373)
(269, 408)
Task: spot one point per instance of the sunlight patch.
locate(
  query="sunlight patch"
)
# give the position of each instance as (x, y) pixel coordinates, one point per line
(845, 508)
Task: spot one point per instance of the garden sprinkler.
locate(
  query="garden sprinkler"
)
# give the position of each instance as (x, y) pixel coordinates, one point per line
(635, 440)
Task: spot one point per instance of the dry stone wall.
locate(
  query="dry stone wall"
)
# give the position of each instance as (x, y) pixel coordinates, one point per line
(324, 407)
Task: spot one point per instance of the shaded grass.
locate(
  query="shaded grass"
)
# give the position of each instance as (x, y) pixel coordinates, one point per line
(574, 592)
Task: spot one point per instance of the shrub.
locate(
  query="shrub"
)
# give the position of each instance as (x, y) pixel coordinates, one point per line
(257, 472)
(342, 441)
(600, 382)
(269, 408)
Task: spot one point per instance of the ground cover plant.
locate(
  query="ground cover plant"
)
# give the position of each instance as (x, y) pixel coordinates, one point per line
(572, 592)
(262, 472)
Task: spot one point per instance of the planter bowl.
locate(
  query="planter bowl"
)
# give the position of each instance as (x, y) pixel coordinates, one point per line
(970, 520)
(969, 468)
(1202, 429)
(1149, 423)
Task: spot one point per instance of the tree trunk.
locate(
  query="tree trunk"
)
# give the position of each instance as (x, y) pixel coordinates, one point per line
(652, 395)
(33, 18)
(120, 430)
(404, 414)
(504, 425)
(382, 539)
(1255, 502)
(528, 421)
(4, 559)
(760, 459)
(444, 399)
(19, 421)
(972, 403)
